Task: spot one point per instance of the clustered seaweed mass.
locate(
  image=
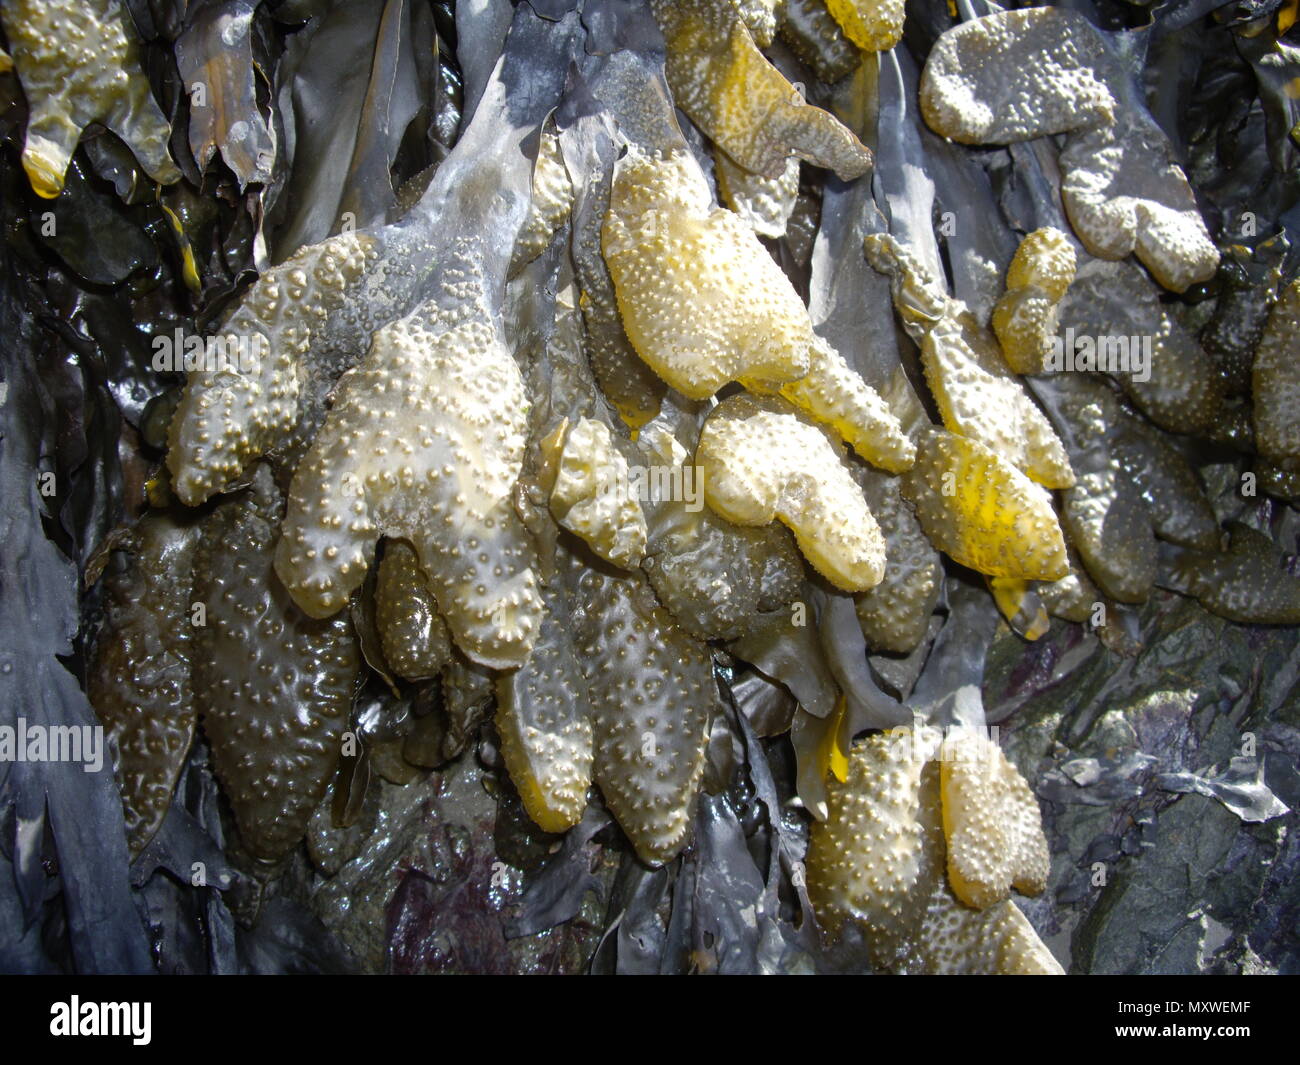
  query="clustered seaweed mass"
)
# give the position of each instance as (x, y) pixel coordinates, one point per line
(426, 472)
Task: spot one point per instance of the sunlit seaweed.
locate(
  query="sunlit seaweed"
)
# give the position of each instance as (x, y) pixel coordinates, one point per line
(459, 401)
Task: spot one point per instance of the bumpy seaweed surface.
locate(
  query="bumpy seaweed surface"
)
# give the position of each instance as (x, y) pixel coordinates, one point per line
(580, 485)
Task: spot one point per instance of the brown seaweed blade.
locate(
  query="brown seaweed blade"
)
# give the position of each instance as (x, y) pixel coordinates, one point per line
(274, 686)
(716, 577)
(653, 692)
(895, 613)
(1016, 75)
(79, 63)
(701, 300)
(983, 512)
(870, 859)
(476, 446)
(1115, 322)
(720, 78)
(425, 441)
(139, 679)
(762, 462)
(873, 25)
(545, 721)
(1247, 583)
(880, 858)
(991, 822)
(630, 385)
(1276, 384)
(412, 634)
(312, 317)
(815, 37)
(977, 394)
(1168, 483)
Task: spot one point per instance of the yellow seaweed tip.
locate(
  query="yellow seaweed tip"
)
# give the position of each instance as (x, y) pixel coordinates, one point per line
(760, 461)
